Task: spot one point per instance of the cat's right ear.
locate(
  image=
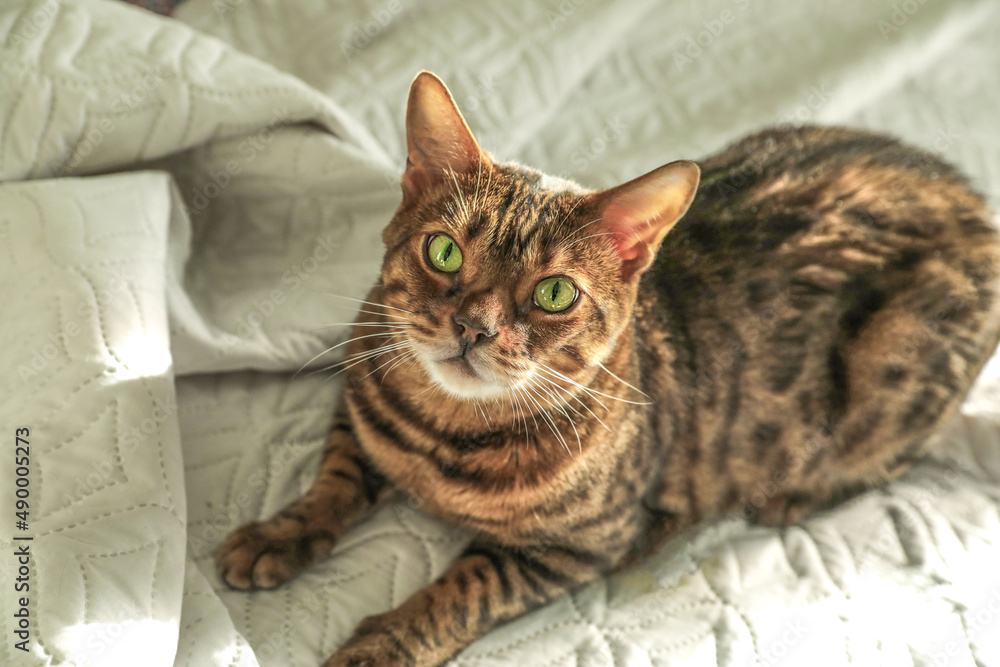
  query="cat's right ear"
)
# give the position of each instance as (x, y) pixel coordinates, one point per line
(438, 141)
(637, 215)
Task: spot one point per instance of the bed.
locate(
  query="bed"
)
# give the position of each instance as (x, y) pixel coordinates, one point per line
(188, 204)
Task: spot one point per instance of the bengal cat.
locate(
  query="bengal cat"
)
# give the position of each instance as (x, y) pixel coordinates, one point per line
(559, 373)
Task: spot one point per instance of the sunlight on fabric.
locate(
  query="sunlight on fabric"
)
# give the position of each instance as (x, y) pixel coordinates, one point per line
(905, 622)
(889, 608)
(977, 588)
(113, 644)
(237, 653)
(143, 357)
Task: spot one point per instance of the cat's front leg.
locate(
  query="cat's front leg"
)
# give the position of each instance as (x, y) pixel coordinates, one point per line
(487, 585)
(266, 554)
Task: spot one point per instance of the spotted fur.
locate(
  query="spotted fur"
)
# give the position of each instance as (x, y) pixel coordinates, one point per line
(821, 303)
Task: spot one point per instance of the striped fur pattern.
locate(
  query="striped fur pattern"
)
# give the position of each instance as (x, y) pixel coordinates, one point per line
(823, 300)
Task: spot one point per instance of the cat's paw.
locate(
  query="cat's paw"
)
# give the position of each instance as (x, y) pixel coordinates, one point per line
(374, 650)
(357, 657)
(380, 641)
(263, 555)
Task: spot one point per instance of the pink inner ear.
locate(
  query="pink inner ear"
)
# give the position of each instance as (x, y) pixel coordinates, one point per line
(628, 249)
(624, 235)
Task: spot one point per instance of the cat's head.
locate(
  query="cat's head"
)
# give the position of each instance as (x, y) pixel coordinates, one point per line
(514, 278)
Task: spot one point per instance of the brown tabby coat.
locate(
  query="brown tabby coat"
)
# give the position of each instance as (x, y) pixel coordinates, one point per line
(816, 312)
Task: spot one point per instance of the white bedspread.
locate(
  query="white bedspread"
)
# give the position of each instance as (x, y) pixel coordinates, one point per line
(180, 200)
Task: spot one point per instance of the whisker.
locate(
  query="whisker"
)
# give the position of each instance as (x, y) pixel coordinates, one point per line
(544, 368)
(458, 193)
(513, 418)
(355, 359)
(489, 182)
(580, 401)
(579, 229)
(481, 413)
(532, 414)
(591, 236)
(355, 363)
(522, 391)
(524, 412)
(570, 212)
(547, 392)
(555, 397)
(515, 408)
(547, 418)
(386, 363)
(425, 389)
(370, 303)
(605, 369)
(398, 362)
(554, 374)
(349, 340)
(406, 320)
(486, 416)
(387, 325)
(479, 178)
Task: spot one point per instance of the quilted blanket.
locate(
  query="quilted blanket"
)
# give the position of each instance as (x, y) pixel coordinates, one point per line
(188, 206)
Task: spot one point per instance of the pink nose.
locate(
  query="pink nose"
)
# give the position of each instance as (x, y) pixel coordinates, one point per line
(470, 332)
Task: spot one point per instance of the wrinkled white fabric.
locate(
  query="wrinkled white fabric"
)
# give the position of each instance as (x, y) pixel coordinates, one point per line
(184, 205)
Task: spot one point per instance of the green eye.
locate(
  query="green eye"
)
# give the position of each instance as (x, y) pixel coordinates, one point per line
(555, 294)
(444, 254)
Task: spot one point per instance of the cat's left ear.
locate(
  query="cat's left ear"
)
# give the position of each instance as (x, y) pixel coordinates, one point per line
(638, 214)
(438, 141)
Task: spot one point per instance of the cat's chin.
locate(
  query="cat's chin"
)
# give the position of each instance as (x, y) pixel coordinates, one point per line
(457, 377)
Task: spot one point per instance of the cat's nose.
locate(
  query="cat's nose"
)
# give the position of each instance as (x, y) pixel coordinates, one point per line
(470, 332)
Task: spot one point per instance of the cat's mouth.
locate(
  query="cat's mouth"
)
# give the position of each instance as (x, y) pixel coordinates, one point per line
(462, 376)
(461, 365)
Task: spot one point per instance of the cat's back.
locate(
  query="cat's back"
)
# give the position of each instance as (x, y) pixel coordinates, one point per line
(827, 219)
(825, 281)
(795, 194)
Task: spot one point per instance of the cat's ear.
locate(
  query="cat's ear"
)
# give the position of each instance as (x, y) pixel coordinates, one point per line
(638, 214)
(438, 141)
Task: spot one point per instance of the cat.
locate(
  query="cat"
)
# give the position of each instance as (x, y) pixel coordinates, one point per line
(579, 375)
